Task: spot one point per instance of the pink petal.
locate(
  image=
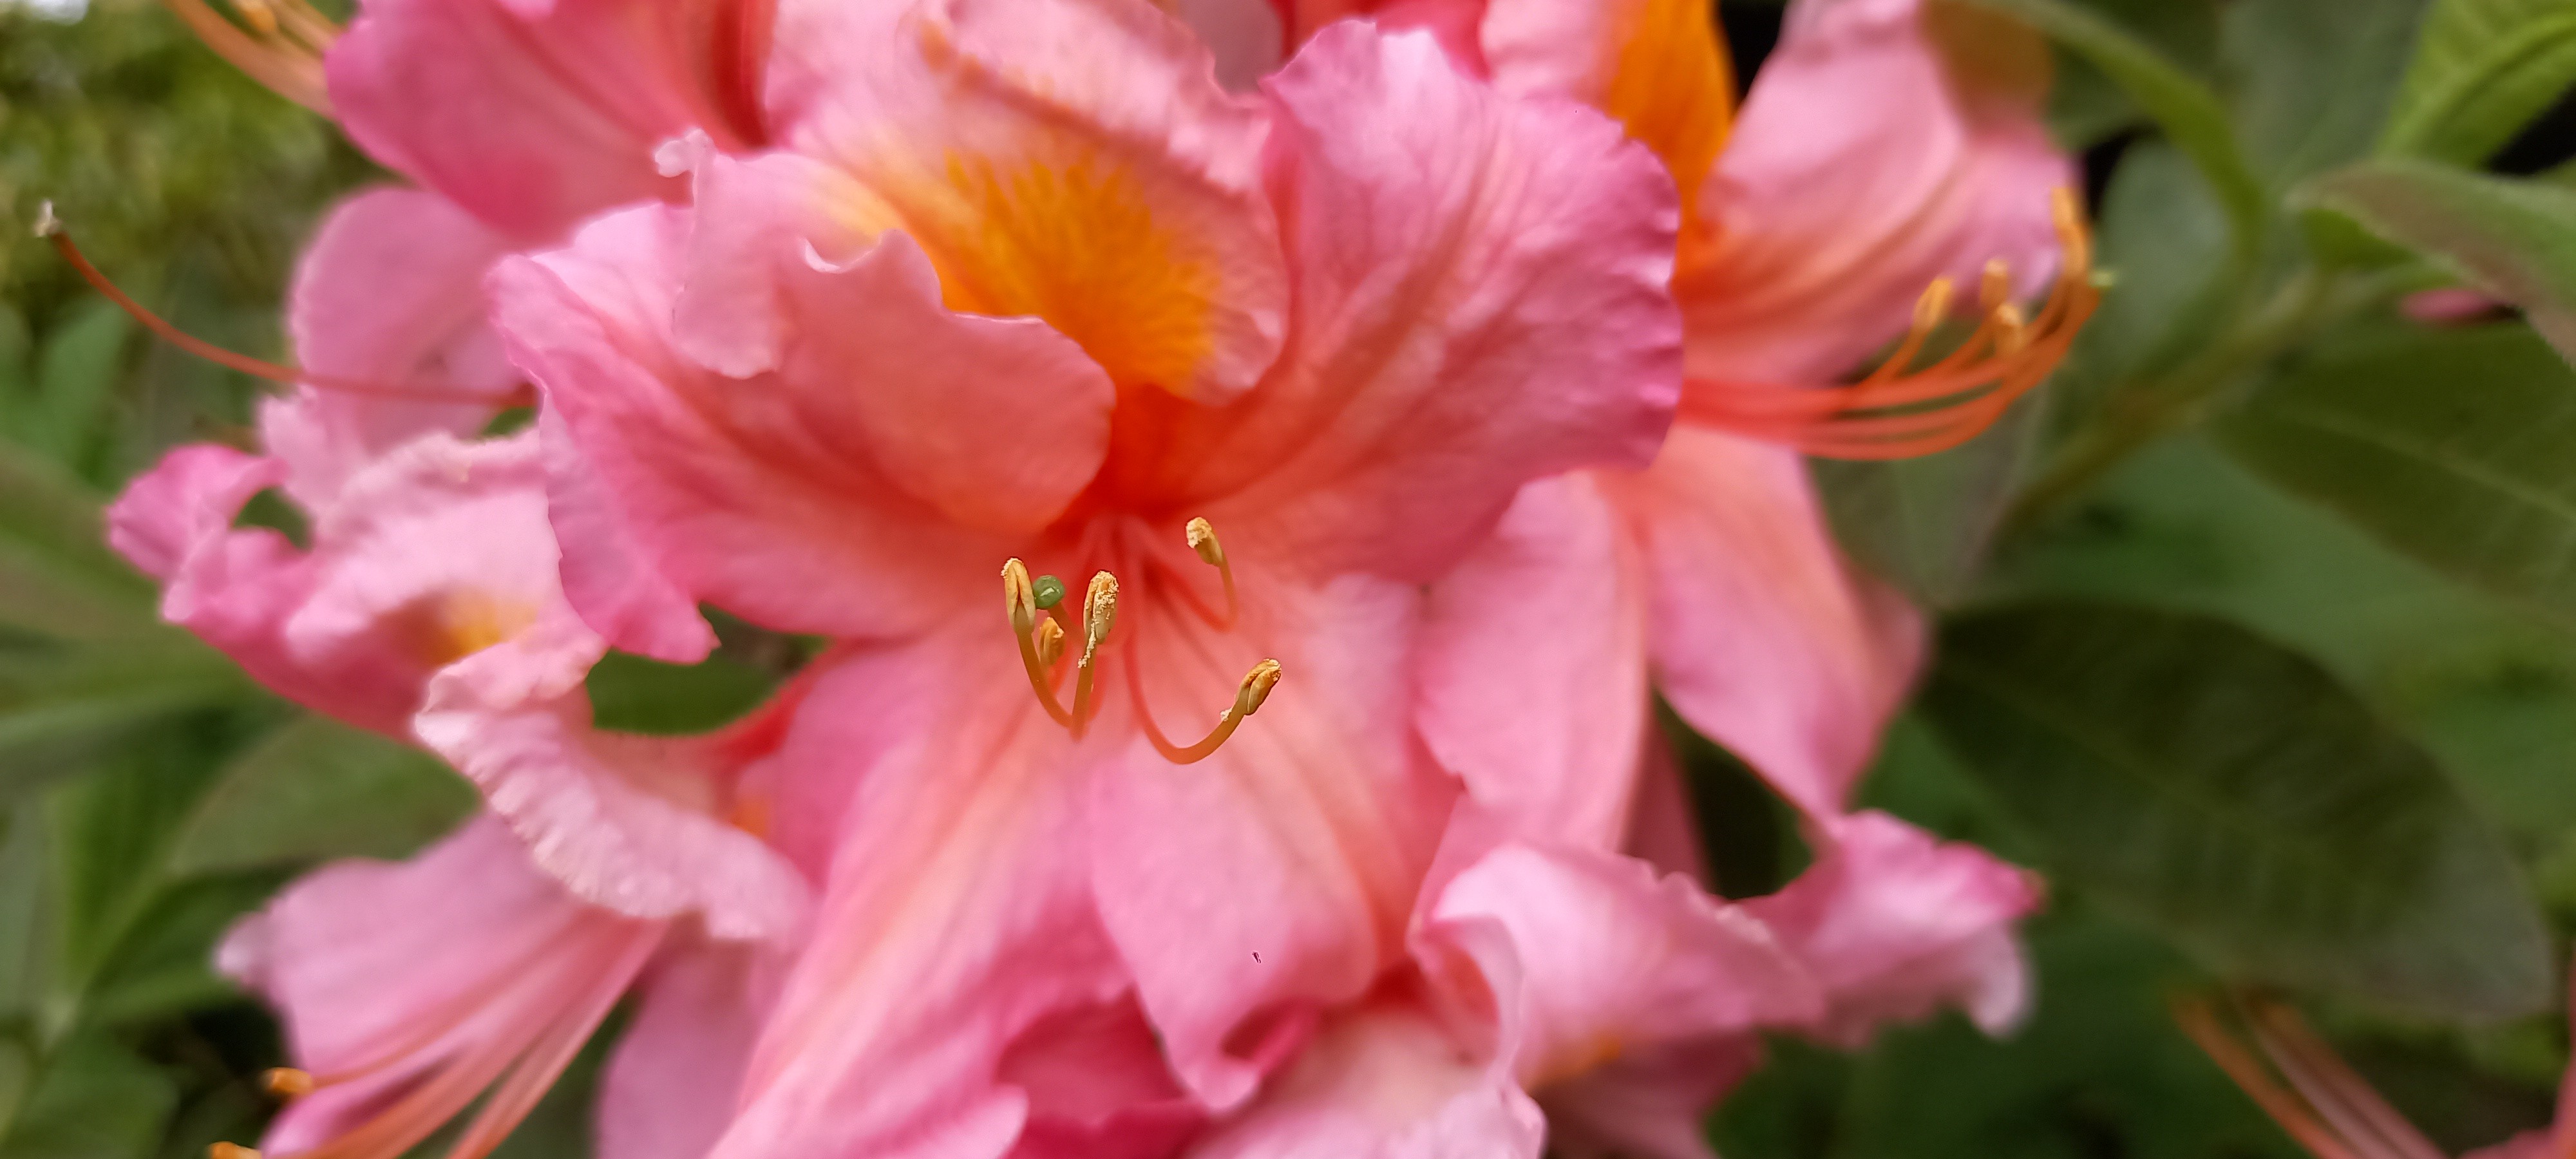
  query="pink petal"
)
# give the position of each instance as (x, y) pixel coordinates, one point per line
(389, 972)
(1663, 830)
(238, 590)
(1613, 958)
(1276, 876)
(1071, 160)
(1651, 1104)
(1246, 37)
(1386, 1081)
(1897, 924)
(1454, 340)
(1534, 667)
(1655, 66)
(799, 498)
(669, 1088)
(610, 579)
(390, 291)
(958, 916)
(1098, 1088)
(1763, 637)
(531, 120)
(1866, 162)
(631, 823)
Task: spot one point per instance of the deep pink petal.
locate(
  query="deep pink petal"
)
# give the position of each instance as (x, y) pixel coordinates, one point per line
(184, 503)
(1534, 667)
(1865, 163)
(1480, 302)
(1098, 1088)
(530, 119)
(958, 916)
(1897, 924)
(389, 292)
(669, 1088)
(1275, 877)
(1763, 637)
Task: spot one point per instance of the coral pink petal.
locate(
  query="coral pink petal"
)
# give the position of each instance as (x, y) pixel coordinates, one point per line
(1764, 638)
(1276, 876)
(390, 291)
(770, 496)
(1481, 301)
(1246, 37)
(1071, 160)
(1613, 957)
(1534, 667)
(1897, 924)
(238, 590)
(1387, 1080)
(1098, 1088)
(1663, 829)
(530, 120)
(670, 1084)
(631, 823)
(611, 581)
(1651, 1103)
(1864, 164)
(958, 916)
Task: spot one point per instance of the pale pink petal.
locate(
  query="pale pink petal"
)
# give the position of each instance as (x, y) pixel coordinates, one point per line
(1386, 1081)
(786, 497)
(1764, 638)
(635, 824)
(1613, 958)
(1897, 924)
(958, 916)
(1650, 1104)
(1480, 302)
(610, 580)
(1870, 158)
(1534, 667)
(669, 1088)
(452, 963)
(531, 120)
(390, 292)
(238, 590)
(1070, 160)
(1275, 877)
(1098, 1088)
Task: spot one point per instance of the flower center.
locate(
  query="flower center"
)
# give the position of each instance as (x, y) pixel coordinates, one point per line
(1040, 621)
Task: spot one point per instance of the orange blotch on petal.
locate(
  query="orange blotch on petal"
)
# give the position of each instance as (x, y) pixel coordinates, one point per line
(1670, 85)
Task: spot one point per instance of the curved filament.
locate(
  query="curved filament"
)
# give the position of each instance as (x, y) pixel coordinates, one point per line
(2326, 1107)
(278, 43)
(1901, 410)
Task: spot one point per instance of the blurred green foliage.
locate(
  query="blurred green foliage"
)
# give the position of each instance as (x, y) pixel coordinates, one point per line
(2253, 476)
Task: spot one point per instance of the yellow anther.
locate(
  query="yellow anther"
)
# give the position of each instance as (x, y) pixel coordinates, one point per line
(1994, 287)
(229, 1151)
(286, 1082)
(1256, 687)
(1248, 698)
(1099, 612)
(1934, 305)
(258, 15)
(1050, 642)
(1019, 596)
(47, 225)
(1202, 539)
(2012, 332)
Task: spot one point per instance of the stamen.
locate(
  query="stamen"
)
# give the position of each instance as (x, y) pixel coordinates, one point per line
(1900, 410)
(281, 49)
(50, 228)
(1050, 642)
(1099, 617)
(230, 1151)
(286, 1082)
(1019, 598)
(1248, 697)
(2286, 1109)
(1201, 536)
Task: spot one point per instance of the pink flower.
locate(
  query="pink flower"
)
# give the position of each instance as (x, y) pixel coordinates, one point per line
(1026, 284)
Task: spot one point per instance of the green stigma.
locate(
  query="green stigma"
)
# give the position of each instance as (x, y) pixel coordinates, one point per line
(1050, 591)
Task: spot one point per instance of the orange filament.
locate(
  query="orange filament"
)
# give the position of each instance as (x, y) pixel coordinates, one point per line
(2326, 1107)
(50, 228)
(1041, 641)
(1901, 410)
(278, 43)
(516, 1069)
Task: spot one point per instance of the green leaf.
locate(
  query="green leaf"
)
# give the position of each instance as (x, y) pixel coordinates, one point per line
(1924, 524)
(630, 693)
(92, 1100)
(2456, 448)
(2163, 236)
(2513, 239)
(2230, 793)
(2483, 69)
(76, 379)
(318, 789)
(62, 708)
(2191, 115)
(57, 575)
(2318, 77)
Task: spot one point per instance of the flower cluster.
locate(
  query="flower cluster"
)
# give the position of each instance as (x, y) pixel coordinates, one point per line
(1410, 393)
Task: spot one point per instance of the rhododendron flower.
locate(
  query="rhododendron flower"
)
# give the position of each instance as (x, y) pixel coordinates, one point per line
(1026, 285)
(428, 604)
